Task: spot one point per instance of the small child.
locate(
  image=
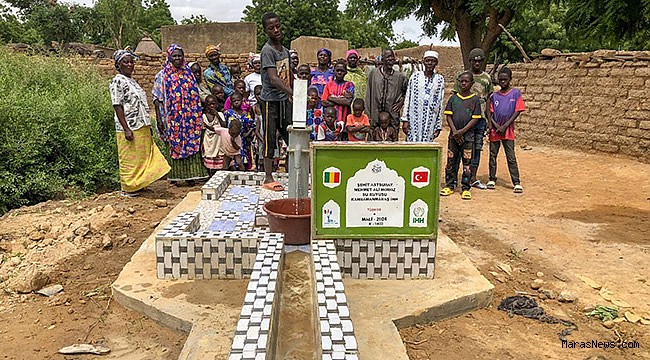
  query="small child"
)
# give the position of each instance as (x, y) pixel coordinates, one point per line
(220, 96)
(505, 106)
(338, 93)
(240, 88)
(231, 144)
(235, 72)
(358, 124)
(314, 112)
(385, 132)
(213, 120)
(463, 111)
(304, 72)
(330, 129)
(247, 125)
(259, 130)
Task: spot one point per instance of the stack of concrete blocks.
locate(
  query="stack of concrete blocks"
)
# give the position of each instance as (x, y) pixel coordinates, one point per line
(255, 333)
(337, 333)
(386, 258)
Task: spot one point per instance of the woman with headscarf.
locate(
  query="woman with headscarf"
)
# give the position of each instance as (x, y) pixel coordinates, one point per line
(356, 74)
(216, 72)
(140, 161)
(176, 89)
(323, 73)
(422, 113)
(254, 78)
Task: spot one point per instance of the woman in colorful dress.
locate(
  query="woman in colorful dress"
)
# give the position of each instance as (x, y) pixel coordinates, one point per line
(217, 73)
(422, 113)
(180, 117)
(140, 161)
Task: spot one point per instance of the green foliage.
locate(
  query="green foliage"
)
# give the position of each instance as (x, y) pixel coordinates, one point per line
(56, 131)
(156, 14)
(198, 19)
(405, 44)
(55, 23)
(320, 18)
(14, 31)
(120, 19)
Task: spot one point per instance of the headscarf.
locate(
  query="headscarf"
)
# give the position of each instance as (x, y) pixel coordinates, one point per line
(252, 57)
(350, 52)
(183, 105)
(119, 55)
(212, 48)
(329, 55)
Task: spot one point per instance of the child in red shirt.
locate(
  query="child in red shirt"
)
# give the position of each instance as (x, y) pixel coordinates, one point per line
(358, 124)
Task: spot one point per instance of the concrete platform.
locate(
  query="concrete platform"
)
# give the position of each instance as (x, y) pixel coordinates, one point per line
(209, 309)
(379, 307)
(206, 309)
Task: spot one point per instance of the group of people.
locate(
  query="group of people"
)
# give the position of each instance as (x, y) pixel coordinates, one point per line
(213, 119)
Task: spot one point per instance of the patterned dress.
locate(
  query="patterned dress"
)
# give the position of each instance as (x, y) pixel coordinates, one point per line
(177, 90)
(248, 123)
(219, 74)
(423, 106)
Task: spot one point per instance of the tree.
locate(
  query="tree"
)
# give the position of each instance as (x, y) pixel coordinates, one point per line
(55, 23)
(299, 18)
(357, 24)
(475, 22)
(198, 19)
(13, 30)
(405, 44)
(120, 18)
(156, 14)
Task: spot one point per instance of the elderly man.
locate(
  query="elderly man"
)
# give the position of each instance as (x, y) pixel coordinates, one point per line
(356, 74)
(386, 89)
(216, 72)
(422, 115)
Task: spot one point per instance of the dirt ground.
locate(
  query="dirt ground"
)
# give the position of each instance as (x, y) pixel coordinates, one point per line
(35, 326)
(581, 215)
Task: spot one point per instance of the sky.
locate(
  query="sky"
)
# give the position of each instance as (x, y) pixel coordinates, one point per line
(232, 10)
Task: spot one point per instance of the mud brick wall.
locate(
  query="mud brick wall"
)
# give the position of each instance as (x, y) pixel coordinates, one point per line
(591, 106)
(149, 65)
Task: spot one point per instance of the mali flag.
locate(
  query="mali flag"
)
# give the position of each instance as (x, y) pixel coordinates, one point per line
(331, 177)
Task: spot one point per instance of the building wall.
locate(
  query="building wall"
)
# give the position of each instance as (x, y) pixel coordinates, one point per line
(590, 106)
(235, 37)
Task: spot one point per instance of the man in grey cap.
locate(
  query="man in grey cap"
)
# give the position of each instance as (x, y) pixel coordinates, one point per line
(482, 88)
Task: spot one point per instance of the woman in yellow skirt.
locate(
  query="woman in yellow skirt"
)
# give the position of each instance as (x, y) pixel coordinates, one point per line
(141, 162)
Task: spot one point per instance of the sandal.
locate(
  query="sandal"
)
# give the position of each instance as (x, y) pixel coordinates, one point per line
(479, 185)
(466, 195)
(128, 194)
(446, 191)
(491, 185)
(273, 186)
(518, 189)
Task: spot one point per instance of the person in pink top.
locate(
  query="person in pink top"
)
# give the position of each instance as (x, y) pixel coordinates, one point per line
(338, 93)
(240, 87)
(505, 106)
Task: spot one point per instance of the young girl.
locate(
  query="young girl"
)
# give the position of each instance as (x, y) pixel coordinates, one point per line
(219, 95)
(358, 124)
(384, 132)
(259, 131)
(235, 71)
(505, 106)
(247, 128)
(339, 94)
(314, 112)
(213, 120)
(330, 129)
(231, 144)
(240, 88)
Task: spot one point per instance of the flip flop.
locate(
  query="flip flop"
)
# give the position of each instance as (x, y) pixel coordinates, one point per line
(446, 191)
(491, 185)
(273, 186)
(518, 189)
(466, 195)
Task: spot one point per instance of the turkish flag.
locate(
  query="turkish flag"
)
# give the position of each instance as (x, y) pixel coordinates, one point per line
(420, 177)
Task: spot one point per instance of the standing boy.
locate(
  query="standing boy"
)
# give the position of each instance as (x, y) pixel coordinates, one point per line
(505, 106)
(463, 111)
(339, 93)
(482, 88)
(276, 96)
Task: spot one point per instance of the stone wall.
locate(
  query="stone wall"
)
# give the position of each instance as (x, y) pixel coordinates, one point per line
(595, 106)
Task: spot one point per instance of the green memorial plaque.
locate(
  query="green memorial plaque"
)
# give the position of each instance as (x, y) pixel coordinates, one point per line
(375, 190)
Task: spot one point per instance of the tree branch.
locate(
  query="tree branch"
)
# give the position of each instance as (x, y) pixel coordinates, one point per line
(441, 12)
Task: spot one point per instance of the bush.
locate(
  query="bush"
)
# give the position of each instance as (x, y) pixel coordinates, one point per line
(56, 130)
